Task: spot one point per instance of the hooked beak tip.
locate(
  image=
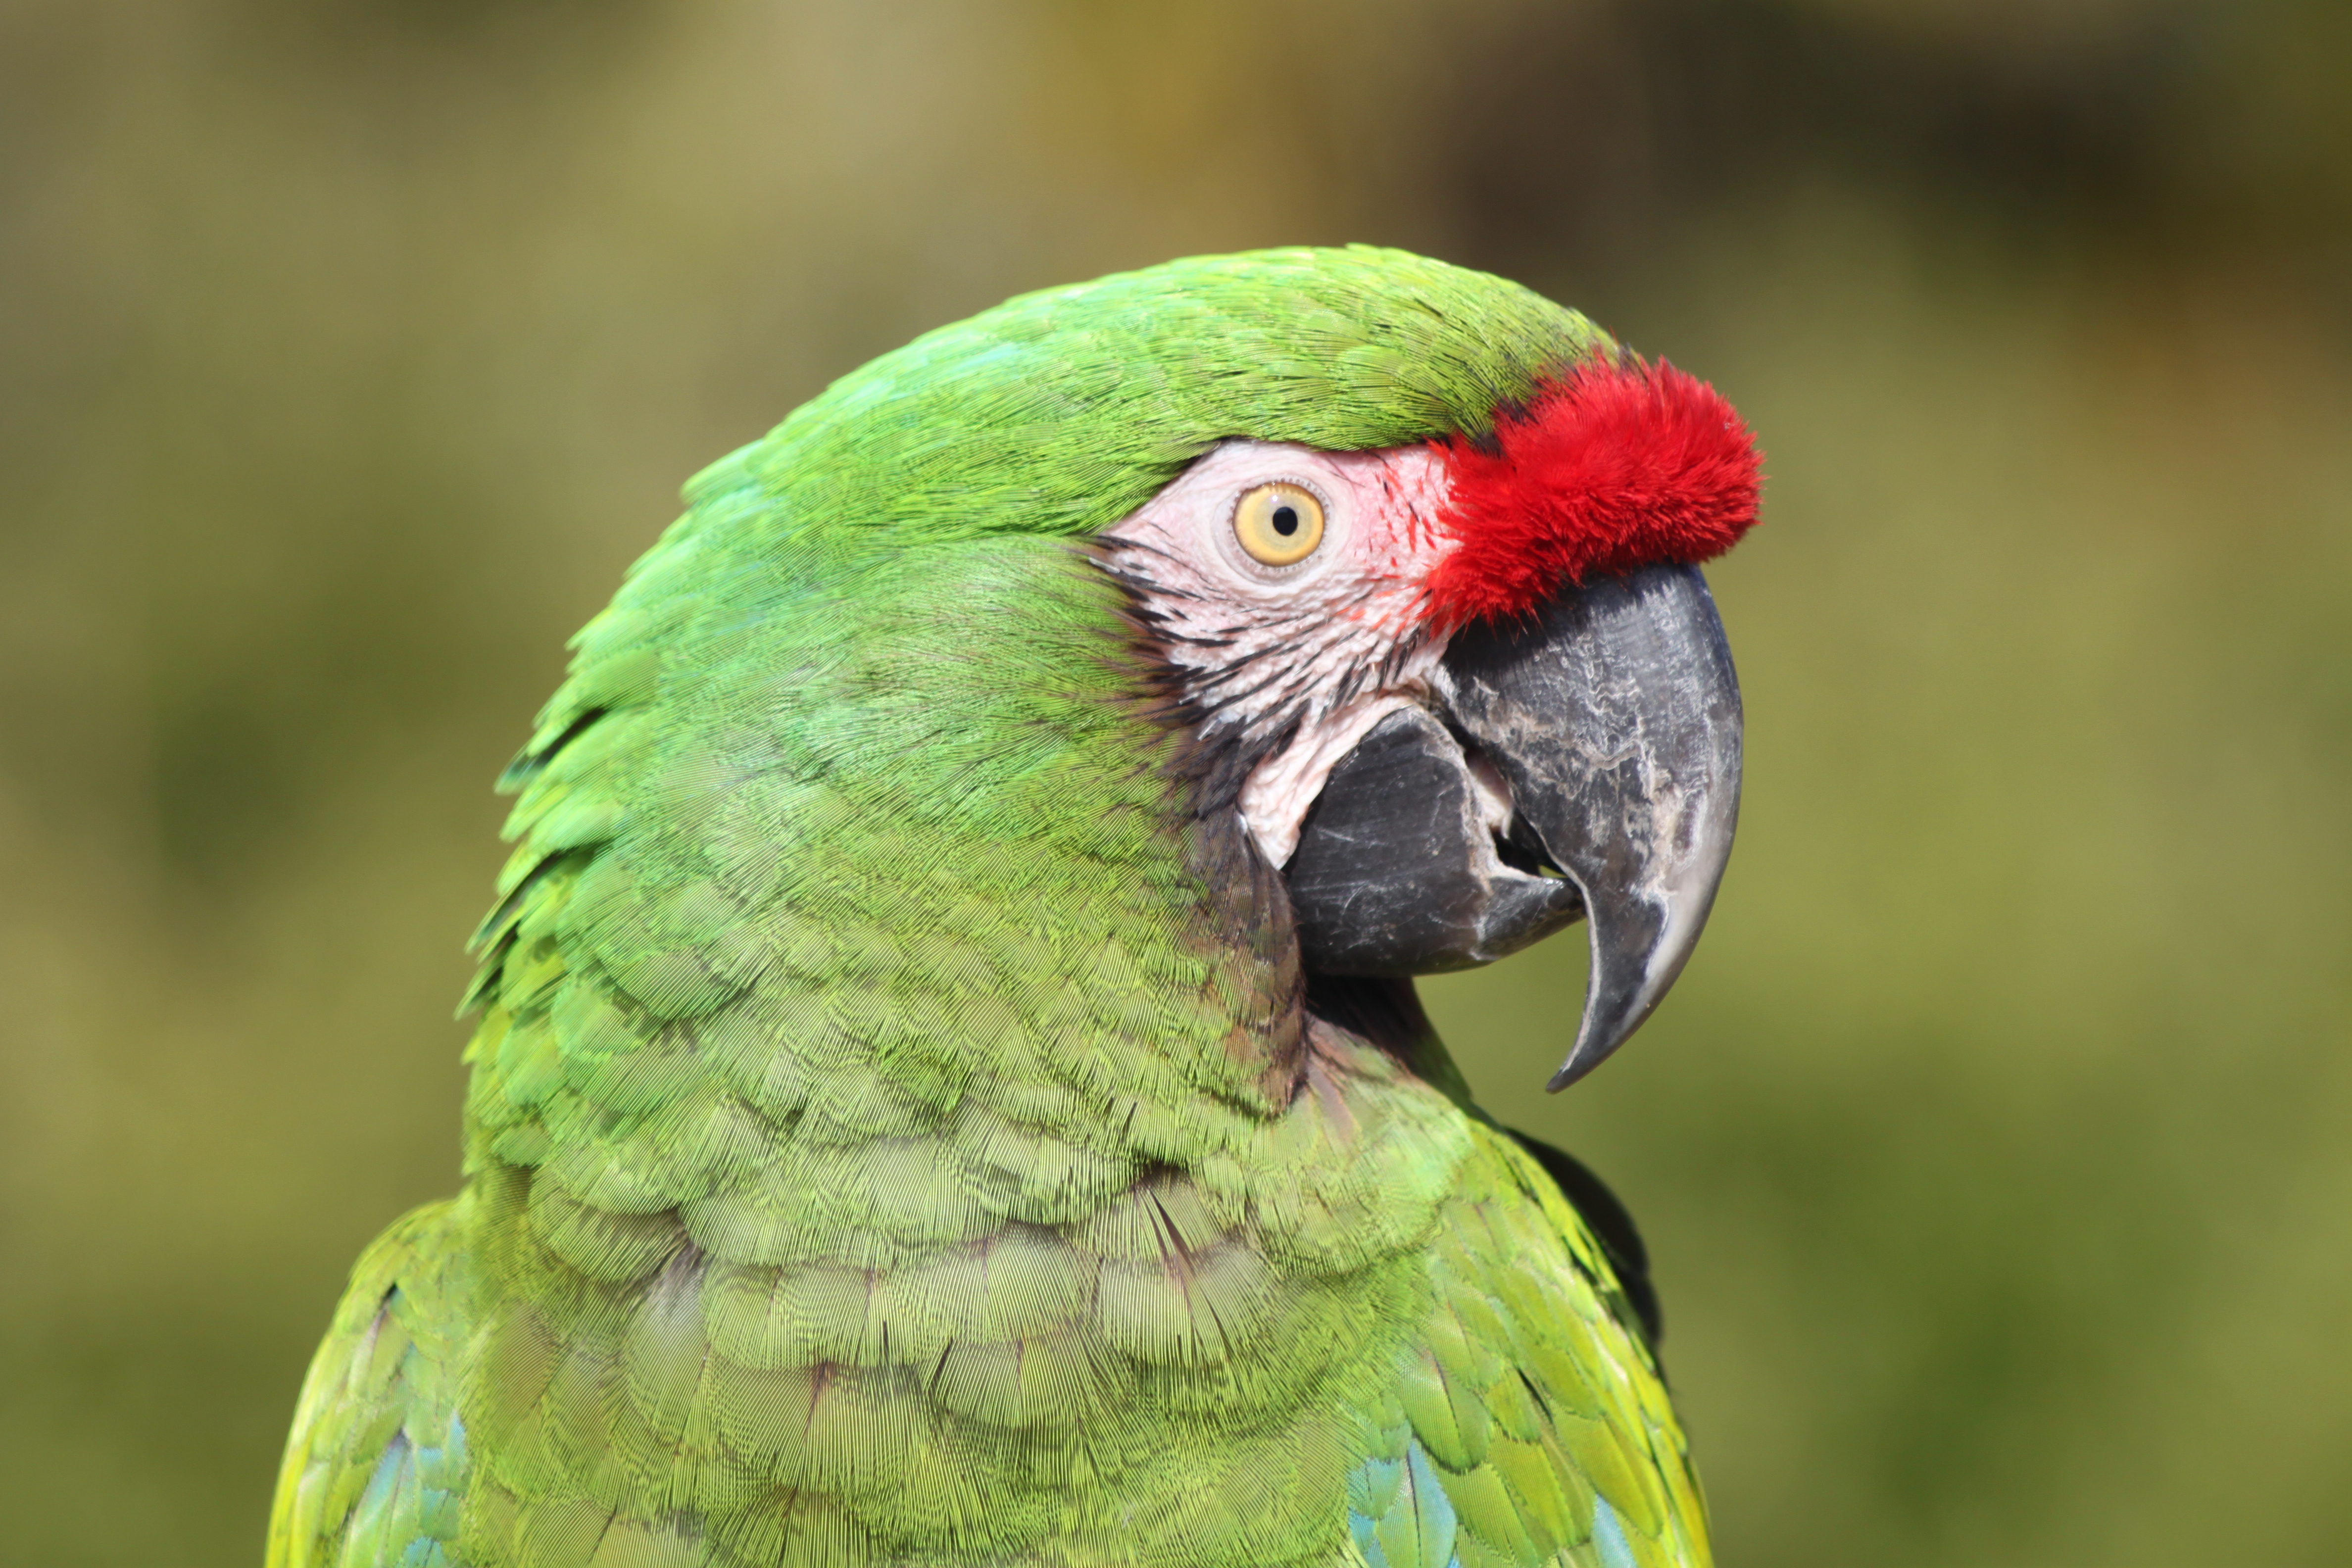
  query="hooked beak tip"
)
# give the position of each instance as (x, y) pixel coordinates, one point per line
(1631, 975)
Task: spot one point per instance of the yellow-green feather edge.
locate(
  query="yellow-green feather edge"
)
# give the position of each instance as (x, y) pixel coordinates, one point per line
(894, 1133)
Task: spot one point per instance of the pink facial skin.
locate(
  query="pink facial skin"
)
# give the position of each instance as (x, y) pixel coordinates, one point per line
(1325, 648)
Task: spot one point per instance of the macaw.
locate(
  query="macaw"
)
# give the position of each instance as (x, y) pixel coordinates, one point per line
(948, 1087)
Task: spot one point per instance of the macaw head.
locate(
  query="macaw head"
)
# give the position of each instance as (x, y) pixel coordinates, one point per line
(1469, 689)
(1405, 560)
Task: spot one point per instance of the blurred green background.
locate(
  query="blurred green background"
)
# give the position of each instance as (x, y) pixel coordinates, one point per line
(1996, 1150)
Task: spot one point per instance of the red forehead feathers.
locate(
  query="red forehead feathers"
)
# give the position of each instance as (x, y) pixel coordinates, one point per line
(1611, 466)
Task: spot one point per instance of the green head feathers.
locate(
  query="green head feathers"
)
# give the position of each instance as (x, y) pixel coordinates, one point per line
(1059, 412)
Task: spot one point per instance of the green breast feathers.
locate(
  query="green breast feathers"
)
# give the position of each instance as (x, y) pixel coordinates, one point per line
(948, 1088)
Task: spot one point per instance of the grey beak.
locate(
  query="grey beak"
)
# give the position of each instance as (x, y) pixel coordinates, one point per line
(1613, 719)
(1616, 719)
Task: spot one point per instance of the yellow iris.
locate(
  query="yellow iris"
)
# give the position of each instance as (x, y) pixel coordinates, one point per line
(1279, 524)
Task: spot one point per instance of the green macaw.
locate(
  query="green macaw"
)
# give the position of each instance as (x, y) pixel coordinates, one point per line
(949, 1087)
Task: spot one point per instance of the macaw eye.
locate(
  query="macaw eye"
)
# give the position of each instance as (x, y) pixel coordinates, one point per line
(1279, 524)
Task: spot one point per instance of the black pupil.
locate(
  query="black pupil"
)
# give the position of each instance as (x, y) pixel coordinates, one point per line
(1286, 520)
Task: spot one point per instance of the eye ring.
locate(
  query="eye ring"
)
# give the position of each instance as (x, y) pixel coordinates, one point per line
(1278, 524)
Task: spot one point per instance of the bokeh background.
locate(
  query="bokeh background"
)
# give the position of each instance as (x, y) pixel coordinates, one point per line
(1997, 1151)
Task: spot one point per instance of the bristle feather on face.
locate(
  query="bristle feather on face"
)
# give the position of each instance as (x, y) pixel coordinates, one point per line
(1612, 466)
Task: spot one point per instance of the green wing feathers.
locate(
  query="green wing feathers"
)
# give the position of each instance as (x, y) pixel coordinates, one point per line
(1529, 1425)
(376, 1470)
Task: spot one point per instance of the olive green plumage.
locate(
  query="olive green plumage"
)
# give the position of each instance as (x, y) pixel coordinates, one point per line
(895, 1136)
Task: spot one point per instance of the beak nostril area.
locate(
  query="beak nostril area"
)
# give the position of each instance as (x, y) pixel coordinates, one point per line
(1490, 792)
(1522, 851)
(1517, 844)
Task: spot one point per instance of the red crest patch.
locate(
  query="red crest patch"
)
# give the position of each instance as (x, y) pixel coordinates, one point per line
(1609, 466)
